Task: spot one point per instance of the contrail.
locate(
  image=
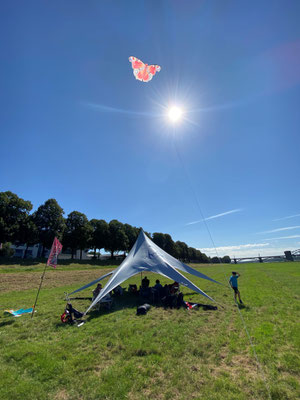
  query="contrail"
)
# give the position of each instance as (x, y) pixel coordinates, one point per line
(215, 216)
(283, 237)
(287, 228)
(290, 216)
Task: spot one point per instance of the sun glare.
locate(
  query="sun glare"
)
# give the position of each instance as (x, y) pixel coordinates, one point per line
(175, 114)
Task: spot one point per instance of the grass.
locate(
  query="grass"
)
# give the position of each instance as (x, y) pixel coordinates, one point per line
(166, 354)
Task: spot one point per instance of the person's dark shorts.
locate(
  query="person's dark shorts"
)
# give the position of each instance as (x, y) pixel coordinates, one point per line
(235, 289)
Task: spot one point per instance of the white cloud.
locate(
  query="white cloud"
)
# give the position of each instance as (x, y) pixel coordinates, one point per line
(215, 216)
(287, 228)
(234, 250)
(290, 216)
(238, 247)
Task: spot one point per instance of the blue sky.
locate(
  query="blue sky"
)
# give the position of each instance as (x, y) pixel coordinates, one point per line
(78, 127)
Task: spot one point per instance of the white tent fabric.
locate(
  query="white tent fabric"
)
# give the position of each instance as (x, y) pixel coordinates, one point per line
(178, 264)
(147, 256)
(91, 283)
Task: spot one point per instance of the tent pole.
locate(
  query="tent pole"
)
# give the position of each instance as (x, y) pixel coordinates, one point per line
(37, 295)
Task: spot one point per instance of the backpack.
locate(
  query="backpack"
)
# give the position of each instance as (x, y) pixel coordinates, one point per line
(65, 318)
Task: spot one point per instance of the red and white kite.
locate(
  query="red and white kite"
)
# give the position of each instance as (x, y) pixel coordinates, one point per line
(143, 72)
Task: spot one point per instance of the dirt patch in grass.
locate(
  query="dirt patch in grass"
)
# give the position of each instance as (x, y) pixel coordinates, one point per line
(236, 366)
(106, 364)
(53, 278)
(61, 395)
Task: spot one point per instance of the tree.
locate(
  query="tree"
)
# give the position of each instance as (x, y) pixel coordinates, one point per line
(159, 239)
(148, 234)
(192, 254)
(182, 250)
(50, 222)
(215, 260)
(165, 242)
(205, 259)
(28, 233)
(201, 257)
(170, 247)
(13, 213)
(99, 234)
(226, 260)
(117, 239)
(6, 250)
(132, 234)
(78, 232)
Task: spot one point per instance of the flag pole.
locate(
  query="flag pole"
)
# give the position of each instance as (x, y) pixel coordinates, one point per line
(37, 295)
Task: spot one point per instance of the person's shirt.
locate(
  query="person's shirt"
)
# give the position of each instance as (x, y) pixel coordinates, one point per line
(97, 291)
(119, 290)
(233, 280)
(145, 282)
(158, 286)
(107, 297)
(166, 290)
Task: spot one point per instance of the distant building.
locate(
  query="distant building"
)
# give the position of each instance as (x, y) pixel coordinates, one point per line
(35, 251)
(67, 255)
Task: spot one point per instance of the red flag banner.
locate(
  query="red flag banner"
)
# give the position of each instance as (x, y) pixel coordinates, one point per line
(55, 250)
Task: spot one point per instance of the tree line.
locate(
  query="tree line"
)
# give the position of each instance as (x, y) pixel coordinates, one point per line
(18, 225)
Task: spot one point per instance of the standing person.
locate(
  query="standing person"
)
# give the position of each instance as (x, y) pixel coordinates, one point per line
(234, 284)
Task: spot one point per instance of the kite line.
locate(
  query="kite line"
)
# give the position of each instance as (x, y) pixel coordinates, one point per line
(220, 261)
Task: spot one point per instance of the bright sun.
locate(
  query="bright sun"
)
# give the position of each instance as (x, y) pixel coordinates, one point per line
(175, 114)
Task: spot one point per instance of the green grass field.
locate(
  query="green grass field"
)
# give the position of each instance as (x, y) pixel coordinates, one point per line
(166, 354)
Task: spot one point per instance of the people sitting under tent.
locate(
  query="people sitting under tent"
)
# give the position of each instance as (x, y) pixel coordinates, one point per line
(173, 300)
(169, 301)
(105, 302)
(157, 291)
(179, 301)
(118, 291)
(174, 287)
(145, 292)
(132, 289)
(145, 282)
(165, 291)
(97, 290)
(158, 285)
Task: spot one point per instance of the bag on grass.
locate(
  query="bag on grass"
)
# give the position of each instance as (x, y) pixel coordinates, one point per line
(142, 310)
(65, 318)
